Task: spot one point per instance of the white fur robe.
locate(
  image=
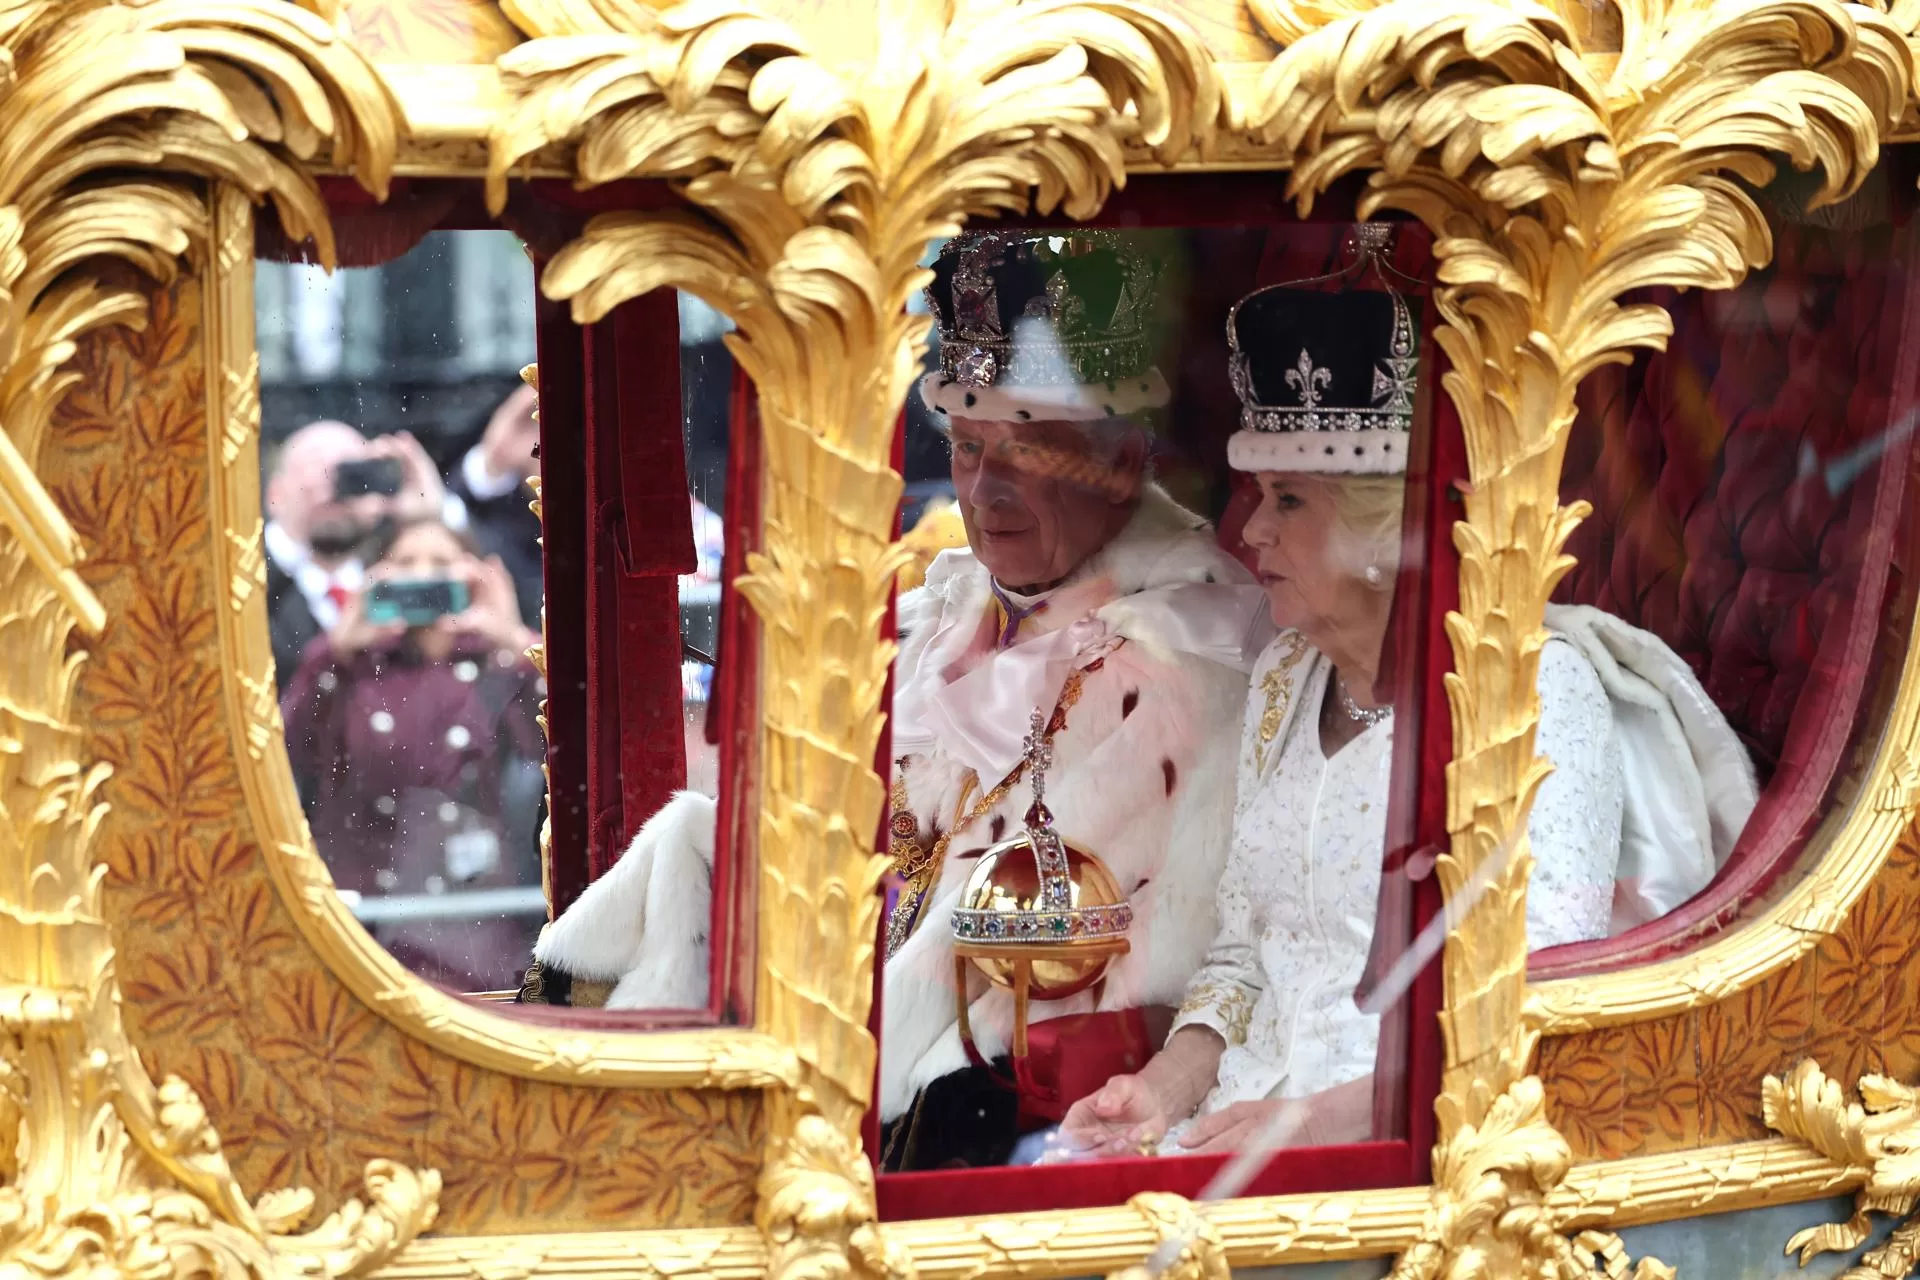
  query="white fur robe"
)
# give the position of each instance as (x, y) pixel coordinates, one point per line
(1143, 777)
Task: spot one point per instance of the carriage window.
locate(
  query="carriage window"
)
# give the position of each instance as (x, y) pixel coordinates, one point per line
(1158, 707)
(404, 589)
(402, 434)
(1746, 574)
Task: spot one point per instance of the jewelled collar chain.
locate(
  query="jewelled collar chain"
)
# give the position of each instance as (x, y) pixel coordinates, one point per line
(919, 865)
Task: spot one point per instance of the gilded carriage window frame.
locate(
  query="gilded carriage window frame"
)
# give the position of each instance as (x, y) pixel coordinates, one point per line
(1562, 164)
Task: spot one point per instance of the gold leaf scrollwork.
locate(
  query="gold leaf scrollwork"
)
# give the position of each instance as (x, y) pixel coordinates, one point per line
(815, 184)
(816, 1207)
(112, 1171)
(227, 89)
(1876, 1139)
(1193, 1245)
(1552, 195)
(1491, 1215)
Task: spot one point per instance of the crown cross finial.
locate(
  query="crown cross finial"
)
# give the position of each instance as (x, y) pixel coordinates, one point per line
(1039, 755)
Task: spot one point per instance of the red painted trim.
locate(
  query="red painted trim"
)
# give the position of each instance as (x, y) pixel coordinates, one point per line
(1445, 465)
(1095, 1184)
(1405, 1083)
(1200, 200)
(736, 694)
(883, 765)
(563, 502)
(651, 544)
(600, 435)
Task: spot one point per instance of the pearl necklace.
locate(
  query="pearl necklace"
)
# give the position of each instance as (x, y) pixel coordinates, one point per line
(1368, 716)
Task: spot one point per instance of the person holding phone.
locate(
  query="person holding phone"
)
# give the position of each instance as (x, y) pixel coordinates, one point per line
(411, 728)
(330, 489)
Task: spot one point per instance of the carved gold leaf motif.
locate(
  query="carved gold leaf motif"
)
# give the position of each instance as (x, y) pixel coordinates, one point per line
(1878, 1137)
(817, 154)
(110, 1169)
(819, 186)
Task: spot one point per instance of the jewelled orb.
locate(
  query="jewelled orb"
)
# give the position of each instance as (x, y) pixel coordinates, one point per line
(1045, 902)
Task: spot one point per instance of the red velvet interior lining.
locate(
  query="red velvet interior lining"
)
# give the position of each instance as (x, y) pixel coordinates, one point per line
(734, 721)
(1773, 587)
(564, 540)
(1033, 1189)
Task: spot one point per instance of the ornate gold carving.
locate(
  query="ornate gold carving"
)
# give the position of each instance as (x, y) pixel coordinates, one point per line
(113, 1171)
(1492, 1214)
(1874, 1143)
(820, 183)
(1556, 186)
(1553, 194)
(716, 1058)
(1279, 1230)
(246, 94)
(1197, 1252)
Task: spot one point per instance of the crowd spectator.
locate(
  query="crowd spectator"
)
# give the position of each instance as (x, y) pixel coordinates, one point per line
(417, 754)
(315, 535)
(491, 478)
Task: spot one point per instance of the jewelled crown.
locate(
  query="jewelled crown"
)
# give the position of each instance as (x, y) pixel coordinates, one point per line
(1045, 326)
(1326, 378)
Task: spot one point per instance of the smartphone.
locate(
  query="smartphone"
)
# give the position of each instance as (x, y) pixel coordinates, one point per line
(418, 602)
(367, 475)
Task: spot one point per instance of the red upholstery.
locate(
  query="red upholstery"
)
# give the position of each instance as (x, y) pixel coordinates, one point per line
(1717, 527)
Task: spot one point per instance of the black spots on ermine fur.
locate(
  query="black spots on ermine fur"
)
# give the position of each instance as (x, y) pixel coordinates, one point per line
(998, 829)
(1129, 702)
(1171, 774)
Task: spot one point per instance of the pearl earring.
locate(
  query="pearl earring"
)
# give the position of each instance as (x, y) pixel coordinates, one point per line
(1373, 575)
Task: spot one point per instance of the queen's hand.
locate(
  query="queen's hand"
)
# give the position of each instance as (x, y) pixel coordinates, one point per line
(1331, 1117)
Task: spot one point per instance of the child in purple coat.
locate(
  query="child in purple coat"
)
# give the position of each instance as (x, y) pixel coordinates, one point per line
(417, 756)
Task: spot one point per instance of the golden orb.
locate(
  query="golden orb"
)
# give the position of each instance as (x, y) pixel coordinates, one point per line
(1034, 899)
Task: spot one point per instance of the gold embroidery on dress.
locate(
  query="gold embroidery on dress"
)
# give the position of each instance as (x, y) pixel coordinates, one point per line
(1277, 684)
(1225, 1002)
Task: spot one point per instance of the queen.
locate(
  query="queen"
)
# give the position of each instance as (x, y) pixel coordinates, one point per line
(1270, 1023)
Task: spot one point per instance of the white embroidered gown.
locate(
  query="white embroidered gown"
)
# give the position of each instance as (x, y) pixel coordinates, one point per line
(1298, 899)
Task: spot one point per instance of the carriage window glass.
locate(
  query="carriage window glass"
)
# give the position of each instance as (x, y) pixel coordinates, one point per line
(404, 591)
(1165, 555)
(1745, 575)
